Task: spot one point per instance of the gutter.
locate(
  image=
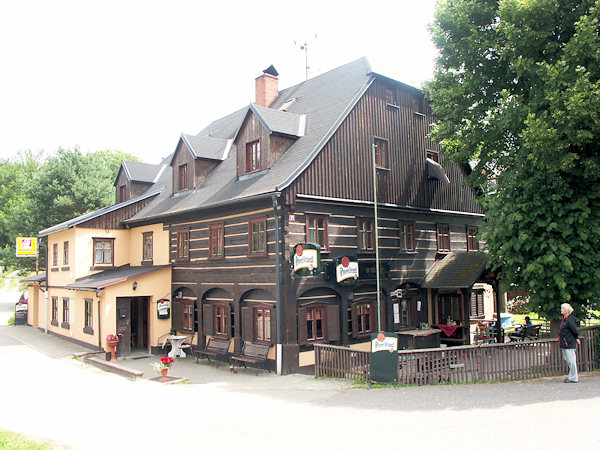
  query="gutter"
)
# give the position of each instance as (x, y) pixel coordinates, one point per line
(279, 352)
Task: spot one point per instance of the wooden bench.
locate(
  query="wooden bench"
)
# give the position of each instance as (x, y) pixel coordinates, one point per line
(253, 354)
(530, 332)
(216, 348)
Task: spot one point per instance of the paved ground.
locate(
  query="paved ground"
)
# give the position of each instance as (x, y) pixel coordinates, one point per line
(46, 393)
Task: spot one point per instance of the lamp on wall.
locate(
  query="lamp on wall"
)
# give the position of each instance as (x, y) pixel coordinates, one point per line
(134, 285)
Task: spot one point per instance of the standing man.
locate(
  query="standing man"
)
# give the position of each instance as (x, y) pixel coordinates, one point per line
(568, 338)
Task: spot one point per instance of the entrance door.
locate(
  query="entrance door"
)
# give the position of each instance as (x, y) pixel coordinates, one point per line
(124, 325)
(139, 323)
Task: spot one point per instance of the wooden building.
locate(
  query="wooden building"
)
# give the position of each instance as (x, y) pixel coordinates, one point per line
(294, 172)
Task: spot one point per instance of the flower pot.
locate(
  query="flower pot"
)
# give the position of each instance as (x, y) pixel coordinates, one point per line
(164, 374)
(112, 345)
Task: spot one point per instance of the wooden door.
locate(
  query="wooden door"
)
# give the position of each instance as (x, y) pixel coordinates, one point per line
(124, 325)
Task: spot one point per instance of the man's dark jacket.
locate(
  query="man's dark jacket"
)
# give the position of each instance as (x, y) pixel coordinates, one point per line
(568, 334)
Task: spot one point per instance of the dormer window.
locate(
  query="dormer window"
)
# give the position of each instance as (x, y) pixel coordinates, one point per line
(122, 193)
(183, 177)
(253, 156)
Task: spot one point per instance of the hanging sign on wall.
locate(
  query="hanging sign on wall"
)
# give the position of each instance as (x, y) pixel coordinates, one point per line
(306, 259)
(163, 308)
(346, 270)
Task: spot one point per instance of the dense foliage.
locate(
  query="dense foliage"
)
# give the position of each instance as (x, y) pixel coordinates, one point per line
(517, 88)
(38, 191)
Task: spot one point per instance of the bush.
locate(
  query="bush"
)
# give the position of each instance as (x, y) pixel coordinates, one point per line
(518, 305)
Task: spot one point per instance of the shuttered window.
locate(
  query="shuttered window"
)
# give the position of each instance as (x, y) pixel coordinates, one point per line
(477, 304)
(472, 239)
(253, 156)
(318, 324)
(217, 232)
(187, 315)
(365, 234)
(183, 244)
(259, 324)
(183, 177)
(443, 238)
(257, 236)
(407, 236)
(317, 230)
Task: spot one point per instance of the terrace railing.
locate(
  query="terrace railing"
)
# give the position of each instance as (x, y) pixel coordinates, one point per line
(464, 364)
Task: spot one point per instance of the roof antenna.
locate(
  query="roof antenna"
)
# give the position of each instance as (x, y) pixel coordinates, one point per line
(305, 48)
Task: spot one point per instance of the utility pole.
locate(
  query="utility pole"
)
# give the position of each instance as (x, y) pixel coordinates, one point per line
(376, 238)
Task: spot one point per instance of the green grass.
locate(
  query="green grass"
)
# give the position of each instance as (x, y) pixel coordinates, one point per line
(10, 440)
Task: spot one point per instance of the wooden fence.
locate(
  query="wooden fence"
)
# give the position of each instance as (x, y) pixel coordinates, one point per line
(465, 364)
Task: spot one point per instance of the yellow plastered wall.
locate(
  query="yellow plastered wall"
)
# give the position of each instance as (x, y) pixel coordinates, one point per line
(308, 358)
(160, 244)
(61, 274)
(154, 285)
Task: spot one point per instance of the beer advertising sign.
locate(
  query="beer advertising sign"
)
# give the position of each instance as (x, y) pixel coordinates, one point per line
(306, 259)
(346, 270)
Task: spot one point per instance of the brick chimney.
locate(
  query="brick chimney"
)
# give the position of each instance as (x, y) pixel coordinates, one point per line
(266, 86)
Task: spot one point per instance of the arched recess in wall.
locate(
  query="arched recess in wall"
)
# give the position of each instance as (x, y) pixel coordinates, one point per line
(183, 310)
(363, 311)
(259, 317)
(319, 316)
(217, 314)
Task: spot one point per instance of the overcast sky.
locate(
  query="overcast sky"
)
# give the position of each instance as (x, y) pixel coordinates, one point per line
(133, 75)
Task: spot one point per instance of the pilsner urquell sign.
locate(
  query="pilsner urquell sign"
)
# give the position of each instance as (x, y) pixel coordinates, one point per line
(346, 269)
(306, 259)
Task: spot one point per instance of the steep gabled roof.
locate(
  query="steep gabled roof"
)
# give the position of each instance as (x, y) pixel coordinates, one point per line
(280, 122)
(94, 214)
(161, 184)
(324, 101)
(139, 172)
(207, 147)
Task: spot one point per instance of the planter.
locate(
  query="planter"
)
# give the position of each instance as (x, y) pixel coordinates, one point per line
(112, 345)
(164, 374)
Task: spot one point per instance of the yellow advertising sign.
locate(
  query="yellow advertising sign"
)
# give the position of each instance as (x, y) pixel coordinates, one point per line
(26, 246)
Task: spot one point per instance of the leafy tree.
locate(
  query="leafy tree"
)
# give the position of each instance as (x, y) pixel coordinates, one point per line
(67, 185)
(15, 175)
(517, 87)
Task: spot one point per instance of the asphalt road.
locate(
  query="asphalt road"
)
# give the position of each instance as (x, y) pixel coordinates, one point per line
(47, 394)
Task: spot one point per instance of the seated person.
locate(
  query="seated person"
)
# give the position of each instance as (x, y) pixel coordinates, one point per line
(521, 331)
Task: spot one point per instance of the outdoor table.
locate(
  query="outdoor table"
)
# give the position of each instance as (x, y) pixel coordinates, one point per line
(176, 342)
(448, 330)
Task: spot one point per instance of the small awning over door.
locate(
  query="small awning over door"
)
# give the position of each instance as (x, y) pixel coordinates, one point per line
(455, 271)
(112, 276)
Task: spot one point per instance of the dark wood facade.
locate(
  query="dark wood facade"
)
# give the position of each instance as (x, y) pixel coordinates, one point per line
(336, 186)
